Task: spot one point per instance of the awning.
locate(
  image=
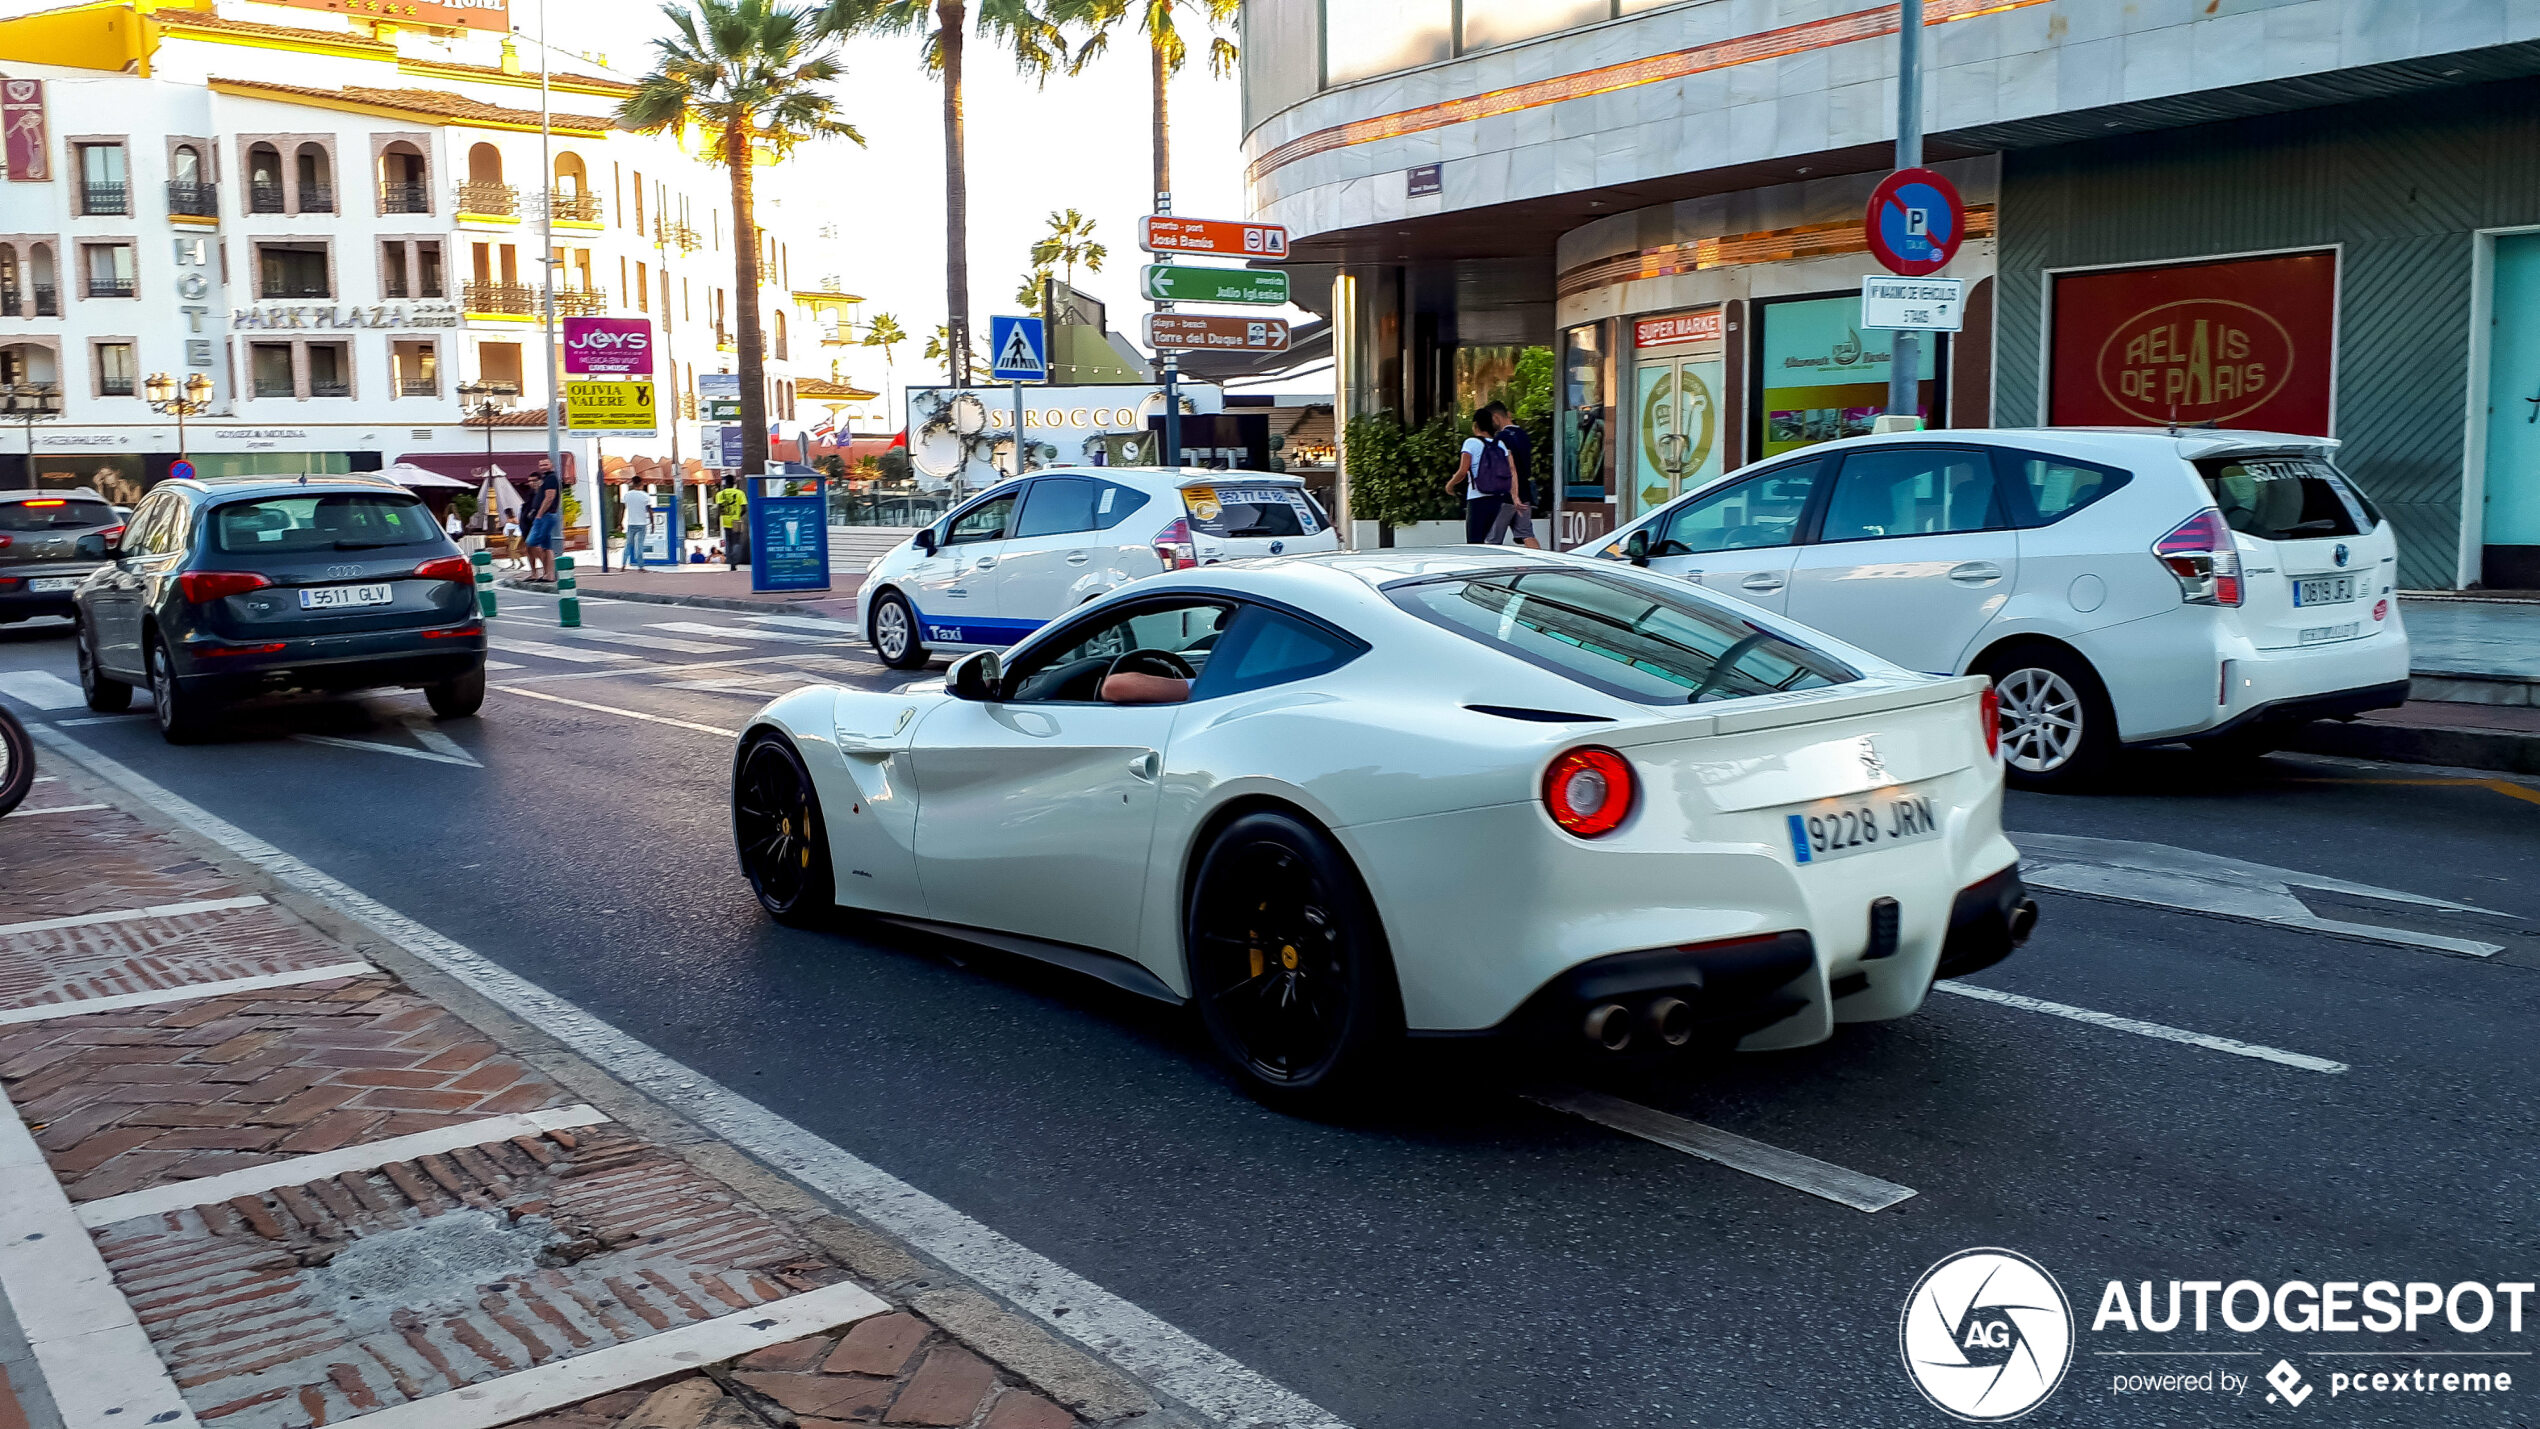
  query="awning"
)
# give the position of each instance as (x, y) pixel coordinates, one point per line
(415, 478)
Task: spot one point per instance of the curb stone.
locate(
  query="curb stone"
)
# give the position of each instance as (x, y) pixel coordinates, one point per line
(697, 602)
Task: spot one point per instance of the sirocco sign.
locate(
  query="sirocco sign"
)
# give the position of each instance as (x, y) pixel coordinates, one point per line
(2243, 343)
(608, 347)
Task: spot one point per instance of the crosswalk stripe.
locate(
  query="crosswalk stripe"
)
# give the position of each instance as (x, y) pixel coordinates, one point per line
(558, 652)
(41, 690)
(665, 643)
(834, 629)
(691, 627)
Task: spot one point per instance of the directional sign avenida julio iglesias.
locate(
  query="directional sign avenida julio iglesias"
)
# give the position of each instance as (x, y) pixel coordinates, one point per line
(1172, 283)
(1211, 332)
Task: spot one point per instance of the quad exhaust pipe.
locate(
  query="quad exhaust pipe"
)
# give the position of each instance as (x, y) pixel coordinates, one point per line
(1609, 1025)
(1666, 1020)
(2023, 919)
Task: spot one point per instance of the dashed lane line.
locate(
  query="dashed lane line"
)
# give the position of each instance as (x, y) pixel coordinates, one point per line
(693, 627)
(650, 642)
(1841, 1185)
(128, 915)
(2141, 1028)
(1065, 1303)
(565, 653)
(616, 710)
(834, 629)
(183, 992)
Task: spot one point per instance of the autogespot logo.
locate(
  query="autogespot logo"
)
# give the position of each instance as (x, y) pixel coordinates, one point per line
(1986, 1335)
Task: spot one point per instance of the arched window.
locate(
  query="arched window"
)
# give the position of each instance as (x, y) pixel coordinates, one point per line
(405, 184)
(264, 179)
(27, 362)
(572, 189)
(43, 283)
(780, 336)
(485, 191)
(187, 166)
(317, 179)
(484, 164)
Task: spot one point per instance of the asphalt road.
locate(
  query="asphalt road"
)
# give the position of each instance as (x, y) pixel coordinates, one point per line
(1465, 1257)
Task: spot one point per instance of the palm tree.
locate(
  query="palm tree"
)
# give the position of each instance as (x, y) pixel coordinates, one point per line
(1160, 21)
(1037, 47)
(1069, 242)
(1027, 289)
(885, 333)
(939, 348)
(756, 75)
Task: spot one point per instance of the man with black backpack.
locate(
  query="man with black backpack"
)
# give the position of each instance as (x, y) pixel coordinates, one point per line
(1482, 472)
(1517, 449)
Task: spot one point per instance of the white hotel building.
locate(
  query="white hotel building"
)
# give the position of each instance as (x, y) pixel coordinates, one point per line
(340, 222)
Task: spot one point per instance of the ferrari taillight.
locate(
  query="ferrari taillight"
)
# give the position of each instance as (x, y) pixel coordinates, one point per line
(204, 587)
(1173, 546)
(1589, 792)
(1990, 712)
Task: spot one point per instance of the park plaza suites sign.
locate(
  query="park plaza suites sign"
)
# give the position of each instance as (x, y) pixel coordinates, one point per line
(2241, 343)
(271, 317)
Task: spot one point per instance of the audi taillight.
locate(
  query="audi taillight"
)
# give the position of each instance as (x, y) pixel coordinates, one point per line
(2199, 551)
(204, 587)
(1173, 546)
(447, 568)
(113, 535)
(1990, 712)
(1589, 792)
(205, 652)
(5, 539)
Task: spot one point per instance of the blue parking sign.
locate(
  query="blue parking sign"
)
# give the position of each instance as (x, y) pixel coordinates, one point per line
(1018, 350)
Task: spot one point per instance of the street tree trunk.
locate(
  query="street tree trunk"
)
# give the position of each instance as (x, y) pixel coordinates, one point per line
(1163, 144)
(745, 278)
(950, 17)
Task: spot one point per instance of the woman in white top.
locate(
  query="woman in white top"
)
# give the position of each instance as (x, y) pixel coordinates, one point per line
(1481, 508)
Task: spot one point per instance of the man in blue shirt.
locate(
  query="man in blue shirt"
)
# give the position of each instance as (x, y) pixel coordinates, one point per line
(546, 523)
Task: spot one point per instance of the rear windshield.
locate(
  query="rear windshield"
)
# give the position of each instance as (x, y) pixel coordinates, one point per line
(2287, 498)
(327, 521)
(54, 514)
(1622, 637)
(1240, 511)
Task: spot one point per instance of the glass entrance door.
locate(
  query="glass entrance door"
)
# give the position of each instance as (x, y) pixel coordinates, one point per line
(2513, 417)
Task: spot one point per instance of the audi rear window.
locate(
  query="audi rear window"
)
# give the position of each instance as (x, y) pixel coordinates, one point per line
(2287, 498)
(1250, 511)
(54, 514)
(1626, 638)
(322, 521)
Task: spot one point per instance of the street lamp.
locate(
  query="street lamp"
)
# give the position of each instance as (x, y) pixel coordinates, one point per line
(31, 402)
(169, 398)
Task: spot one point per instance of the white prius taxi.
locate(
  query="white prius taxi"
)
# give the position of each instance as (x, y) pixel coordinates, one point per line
(1338, 800)
(2119, 586)
(1022, 553)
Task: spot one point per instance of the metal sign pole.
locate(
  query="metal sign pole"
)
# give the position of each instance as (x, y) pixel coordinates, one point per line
(1171, 456)
(1018, 425)
(1904, 389)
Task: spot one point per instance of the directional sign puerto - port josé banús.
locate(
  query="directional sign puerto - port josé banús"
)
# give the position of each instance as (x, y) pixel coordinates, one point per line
(1164, 233)
(1172, 283)
(1211, 332)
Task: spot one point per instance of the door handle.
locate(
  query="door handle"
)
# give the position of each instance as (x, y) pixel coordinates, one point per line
(1975, 572)
(1078, 558)
(1144, 765)
(1762, 581)
(983, 563)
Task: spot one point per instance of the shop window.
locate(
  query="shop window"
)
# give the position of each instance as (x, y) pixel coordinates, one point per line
(1500, 22)
(1824, 376)
(1372, 37)
(1582, 436)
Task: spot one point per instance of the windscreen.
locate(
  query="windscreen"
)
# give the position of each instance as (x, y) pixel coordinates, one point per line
(1242, 511)
(322, 521)
(2287, 498)
(1622, 637)
(55, 514)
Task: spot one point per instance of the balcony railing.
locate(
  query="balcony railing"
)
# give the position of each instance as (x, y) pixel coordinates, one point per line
(582, 207)
(114, 386)
(682, 237)
(317, 198)
(108, 288)
(405, 198)
(330, 389)
(48, 301)
(490, 200)
(295, 288)
(104, 199)
(418, 387)
(264, 198)
(508, 299)
(581, 302)
(275, 387)
(193, 200)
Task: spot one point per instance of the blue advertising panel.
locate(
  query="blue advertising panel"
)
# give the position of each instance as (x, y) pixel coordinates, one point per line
(789, 532)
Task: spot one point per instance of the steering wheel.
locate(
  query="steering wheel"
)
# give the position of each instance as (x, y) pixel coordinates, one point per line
(1150, 662)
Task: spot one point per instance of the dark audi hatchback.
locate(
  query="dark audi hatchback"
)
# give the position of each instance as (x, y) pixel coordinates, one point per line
(227, 589)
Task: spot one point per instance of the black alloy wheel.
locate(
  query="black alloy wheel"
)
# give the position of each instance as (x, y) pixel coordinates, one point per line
(1288, 966)
(181, 716)
(17, 762)
(776, 827)
(459, 696)
(104, 694)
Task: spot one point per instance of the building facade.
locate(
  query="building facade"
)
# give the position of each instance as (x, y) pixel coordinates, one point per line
(341, 223)
(2319, 216)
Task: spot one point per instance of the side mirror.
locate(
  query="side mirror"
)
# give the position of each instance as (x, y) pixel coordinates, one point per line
(980, 676)
(1636, 550)
(925, 539)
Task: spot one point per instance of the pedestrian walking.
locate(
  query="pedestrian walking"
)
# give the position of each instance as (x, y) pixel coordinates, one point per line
(638, 508)
(733, 508)
(1481, 463)
(1517, 516)
(546, 521)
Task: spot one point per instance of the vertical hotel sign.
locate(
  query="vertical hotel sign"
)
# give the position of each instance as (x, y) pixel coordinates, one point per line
(2240, 343)
(455, 14)
(22, 136)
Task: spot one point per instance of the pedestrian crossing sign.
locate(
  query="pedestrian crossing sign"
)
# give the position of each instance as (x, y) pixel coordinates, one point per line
(1018, 350)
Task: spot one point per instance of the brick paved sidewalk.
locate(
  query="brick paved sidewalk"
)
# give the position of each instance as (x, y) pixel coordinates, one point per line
(403, 1210)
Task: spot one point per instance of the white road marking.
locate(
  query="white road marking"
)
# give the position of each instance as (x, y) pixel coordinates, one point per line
(99, 719)
(301, 1170)
(613, 709)
(2142, 1029)
(2159, 876)
(56, 809)
(127, 915)
(40, 690)
(1068, 1304)
(692, 627)
(188, 992)
(570, 1380)
(503, 665)
(834, 629)
(1801, 1173)
(95, 1357)
(558, 652)
(651, 642)
(733, 686)
(434, 740)
(375, 747)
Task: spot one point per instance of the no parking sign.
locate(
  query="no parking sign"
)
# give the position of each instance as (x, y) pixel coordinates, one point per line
(1915, 223)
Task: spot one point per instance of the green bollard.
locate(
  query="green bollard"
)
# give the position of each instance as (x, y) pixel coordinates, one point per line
(483, 561)
(569, 609)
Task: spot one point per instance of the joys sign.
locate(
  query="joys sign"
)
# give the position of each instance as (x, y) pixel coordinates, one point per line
(608, 347)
